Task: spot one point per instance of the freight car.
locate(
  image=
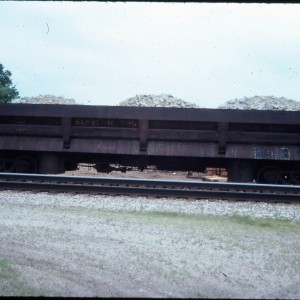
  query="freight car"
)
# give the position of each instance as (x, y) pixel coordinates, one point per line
(261, 146)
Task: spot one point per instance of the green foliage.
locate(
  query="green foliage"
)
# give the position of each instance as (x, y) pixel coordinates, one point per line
(5, 270)
(265, 222)
(8, 92)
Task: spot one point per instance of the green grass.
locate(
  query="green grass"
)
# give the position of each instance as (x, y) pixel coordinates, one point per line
(10, 283)
(5, 270)
(264, 222)
(3, 263)
(235, 219)
(182, 219)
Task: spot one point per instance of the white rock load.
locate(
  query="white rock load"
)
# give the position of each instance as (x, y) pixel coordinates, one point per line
(262, 103)
(45, 99)
(163, 100)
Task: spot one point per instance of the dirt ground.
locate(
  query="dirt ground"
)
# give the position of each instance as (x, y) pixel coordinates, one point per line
(150, 173)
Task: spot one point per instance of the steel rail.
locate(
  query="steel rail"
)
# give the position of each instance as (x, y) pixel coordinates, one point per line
(163, 188)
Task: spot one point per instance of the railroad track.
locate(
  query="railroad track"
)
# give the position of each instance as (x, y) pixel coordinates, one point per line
(145, 187)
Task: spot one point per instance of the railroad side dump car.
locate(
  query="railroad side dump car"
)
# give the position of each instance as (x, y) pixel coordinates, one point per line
(261, 146)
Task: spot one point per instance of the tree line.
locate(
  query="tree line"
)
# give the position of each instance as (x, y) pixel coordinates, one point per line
(8, 91)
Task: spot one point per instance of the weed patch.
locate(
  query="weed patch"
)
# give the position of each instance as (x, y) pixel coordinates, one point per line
(10, 284)
(6, 271)
(263, 222)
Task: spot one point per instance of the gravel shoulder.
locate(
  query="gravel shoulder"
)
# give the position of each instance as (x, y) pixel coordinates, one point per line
(105, 246)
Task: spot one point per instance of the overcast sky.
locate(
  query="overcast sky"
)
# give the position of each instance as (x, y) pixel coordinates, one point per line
(101, 53)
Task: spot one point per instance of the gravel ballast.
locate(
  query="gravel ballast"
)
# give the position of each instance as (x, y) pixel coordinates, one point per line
(162, 100)
(45, 99)
(121, 246)
(262, 103)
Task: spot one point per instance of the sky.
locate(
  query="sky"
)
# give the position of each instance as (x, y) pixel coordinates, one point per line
(101, 53)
